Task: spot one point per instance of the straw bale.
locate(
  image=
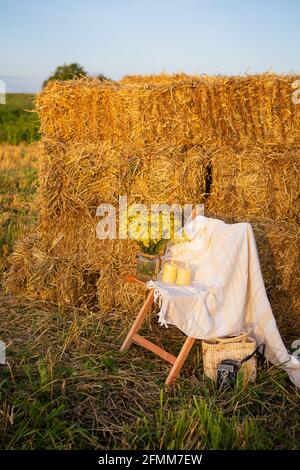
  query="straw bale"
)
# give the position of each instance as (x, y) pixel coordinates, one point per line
(278, 245)
(113, 292)
(256, 182)
(164, 174)
(40, 273)
(157, 79)
(75, 179)
(232, 110)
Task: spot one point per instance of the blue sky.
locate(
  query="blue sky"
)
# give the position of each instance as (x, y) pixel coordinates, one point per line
(120, 37)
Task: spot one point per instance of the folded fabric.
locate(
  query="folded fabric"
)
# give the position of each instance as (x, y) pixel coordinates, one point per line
(227, 295)
(200, 303)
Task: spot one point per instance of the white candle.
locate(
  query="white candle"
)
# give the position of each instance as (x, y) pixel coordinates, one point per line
(169, 272)
(183, 277)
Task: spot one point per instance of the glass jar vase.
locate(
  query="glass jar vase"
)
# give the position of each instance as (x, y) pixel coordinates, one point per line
(147, 267)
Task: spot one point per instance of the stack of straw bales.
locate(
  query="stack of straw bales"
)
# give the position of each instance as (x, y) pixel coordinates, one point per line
(232, 110)
(161, 140)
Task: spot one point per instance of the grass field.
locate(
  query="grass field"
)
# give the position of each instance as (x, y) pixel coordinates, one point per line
(66, 386)
(18, 182)
(17, 121)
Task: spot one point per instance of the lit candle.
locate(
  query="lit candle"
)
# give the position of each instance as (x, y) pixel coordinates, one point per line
(169, 272)
(183, 277)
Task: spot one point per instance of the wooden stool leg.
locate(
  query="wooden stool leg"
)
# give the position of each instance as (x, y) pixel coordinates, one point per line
(138, 321)
(180, 360)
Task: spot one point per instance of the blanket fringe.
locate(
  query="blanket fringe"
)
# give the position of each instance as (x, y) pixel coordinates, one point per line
(161, 297)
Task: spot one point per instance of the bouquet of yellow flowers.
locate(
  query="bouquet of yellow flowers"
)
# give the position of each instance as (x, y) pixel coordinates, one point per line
(151, 230)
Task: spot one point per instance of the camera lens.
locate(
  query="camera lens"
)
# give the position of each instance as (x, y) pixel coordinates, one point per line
(225, 373)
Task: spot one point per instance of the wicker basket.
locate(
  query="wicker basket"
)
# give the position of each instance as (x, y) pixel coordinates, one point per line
(236, 347)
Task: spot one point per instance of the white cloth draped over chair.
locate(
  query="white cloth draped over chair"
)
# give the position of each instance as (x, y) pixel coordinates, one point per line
(227, 295)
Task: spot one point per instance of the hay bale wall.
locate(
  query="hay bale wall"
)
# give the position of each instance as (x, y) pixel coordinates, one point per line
(158, 139)
(232, 110)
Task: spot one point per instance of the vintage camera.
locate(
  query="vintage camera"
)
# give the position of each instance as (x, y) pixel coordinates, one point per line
(227, 373)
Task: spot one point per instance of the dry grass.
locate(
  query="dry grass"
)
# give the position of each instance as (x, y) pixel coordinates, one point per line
(18, 175)
(13, 157)
(68, 387)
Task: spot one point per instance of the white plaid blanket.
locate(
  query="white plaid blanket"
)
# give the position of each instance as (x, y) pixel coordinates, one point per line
(227, 295)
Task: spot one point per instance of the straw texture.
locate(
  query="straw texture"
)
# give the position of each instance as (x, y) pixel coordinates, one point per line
(187, 111)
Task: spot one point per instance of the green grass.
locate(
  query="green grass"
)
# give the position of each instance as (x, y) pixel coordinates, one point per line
(16, 123)
(67, 386)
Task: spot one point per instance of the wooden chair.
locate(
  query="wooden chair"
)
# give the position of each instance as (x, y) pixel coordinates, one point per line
(134, 337)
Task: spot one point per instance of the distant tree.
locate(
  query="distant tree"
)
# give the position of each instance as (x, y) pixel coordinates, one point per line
(66, 72)
(100, 76)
